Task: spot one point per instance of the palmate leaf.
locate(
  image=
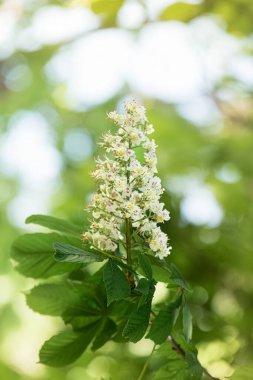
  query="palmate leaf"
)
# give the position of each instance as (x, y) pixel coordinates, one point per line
(52, 299)
(55, 224)
(162, 325)
(116, 284)
(69, 253)
(66, 347)
(33, 254)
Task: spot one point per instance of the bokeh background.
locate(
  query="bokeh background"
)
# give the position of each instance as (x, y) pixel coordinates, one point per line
(63, 65)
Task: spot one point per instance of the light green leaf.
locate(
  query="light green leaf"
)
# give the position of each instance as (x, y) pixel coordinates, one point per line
(52, 299)
(162, 325)
(66, 347)
(55, 224)
(187, 322)
(243, 373)
(181, 12)
(116, 284)
(145, 266)
(33, 254)
(69, 253)
(105, 334)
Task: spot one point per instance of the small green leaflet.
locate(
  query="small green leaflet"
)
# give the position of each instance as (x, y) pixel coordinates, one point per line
(55, 224)
(69, 253)
(66, 347)
(187, 322)
(162, 325)
(116, 284)
(145, 266)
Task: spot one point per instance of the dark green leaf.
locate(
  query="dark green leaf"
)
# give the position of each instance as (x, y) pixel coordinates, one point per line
(143, 286)
(55, 224)
(33, 254)
(116, 284)
(187, 322)
(66, 347)
(138, 321)
(52, 299)
(145, 266)
(105, 334)
(162, 325)
(177, 277)
(194, 365)
(69, 253)
(137, 324)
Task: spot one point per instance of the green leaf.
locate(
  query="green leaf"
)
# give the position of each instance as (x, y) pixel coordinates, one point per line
(137, 324)
(33, 254)
(181, 12)
(160, 271)
(162, 325)
(55, 224)
(138, 321)
(69, 253)
(116, 284)
(143, 286)
(194, 365)
(168, 365)
(105, 334)
(145, 266)
(52, 299)
(177, 277)
(243, 373)
(187, 322)
(66, 347)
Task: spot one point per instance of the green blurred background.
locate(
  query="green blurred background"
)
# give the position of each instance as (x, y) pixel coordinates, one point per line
(63, 65)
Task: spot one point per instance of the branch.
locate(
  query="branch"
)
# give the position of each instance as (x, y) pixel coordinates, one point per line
(182, 353)
(176, 346)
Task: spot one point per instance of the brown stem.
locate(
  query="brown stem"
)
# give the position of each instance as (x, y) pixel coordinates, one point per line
(182, 353)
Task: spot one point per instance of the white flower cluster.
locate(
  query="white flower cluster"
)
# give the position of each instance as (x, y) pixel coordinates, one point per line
(128, 185)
